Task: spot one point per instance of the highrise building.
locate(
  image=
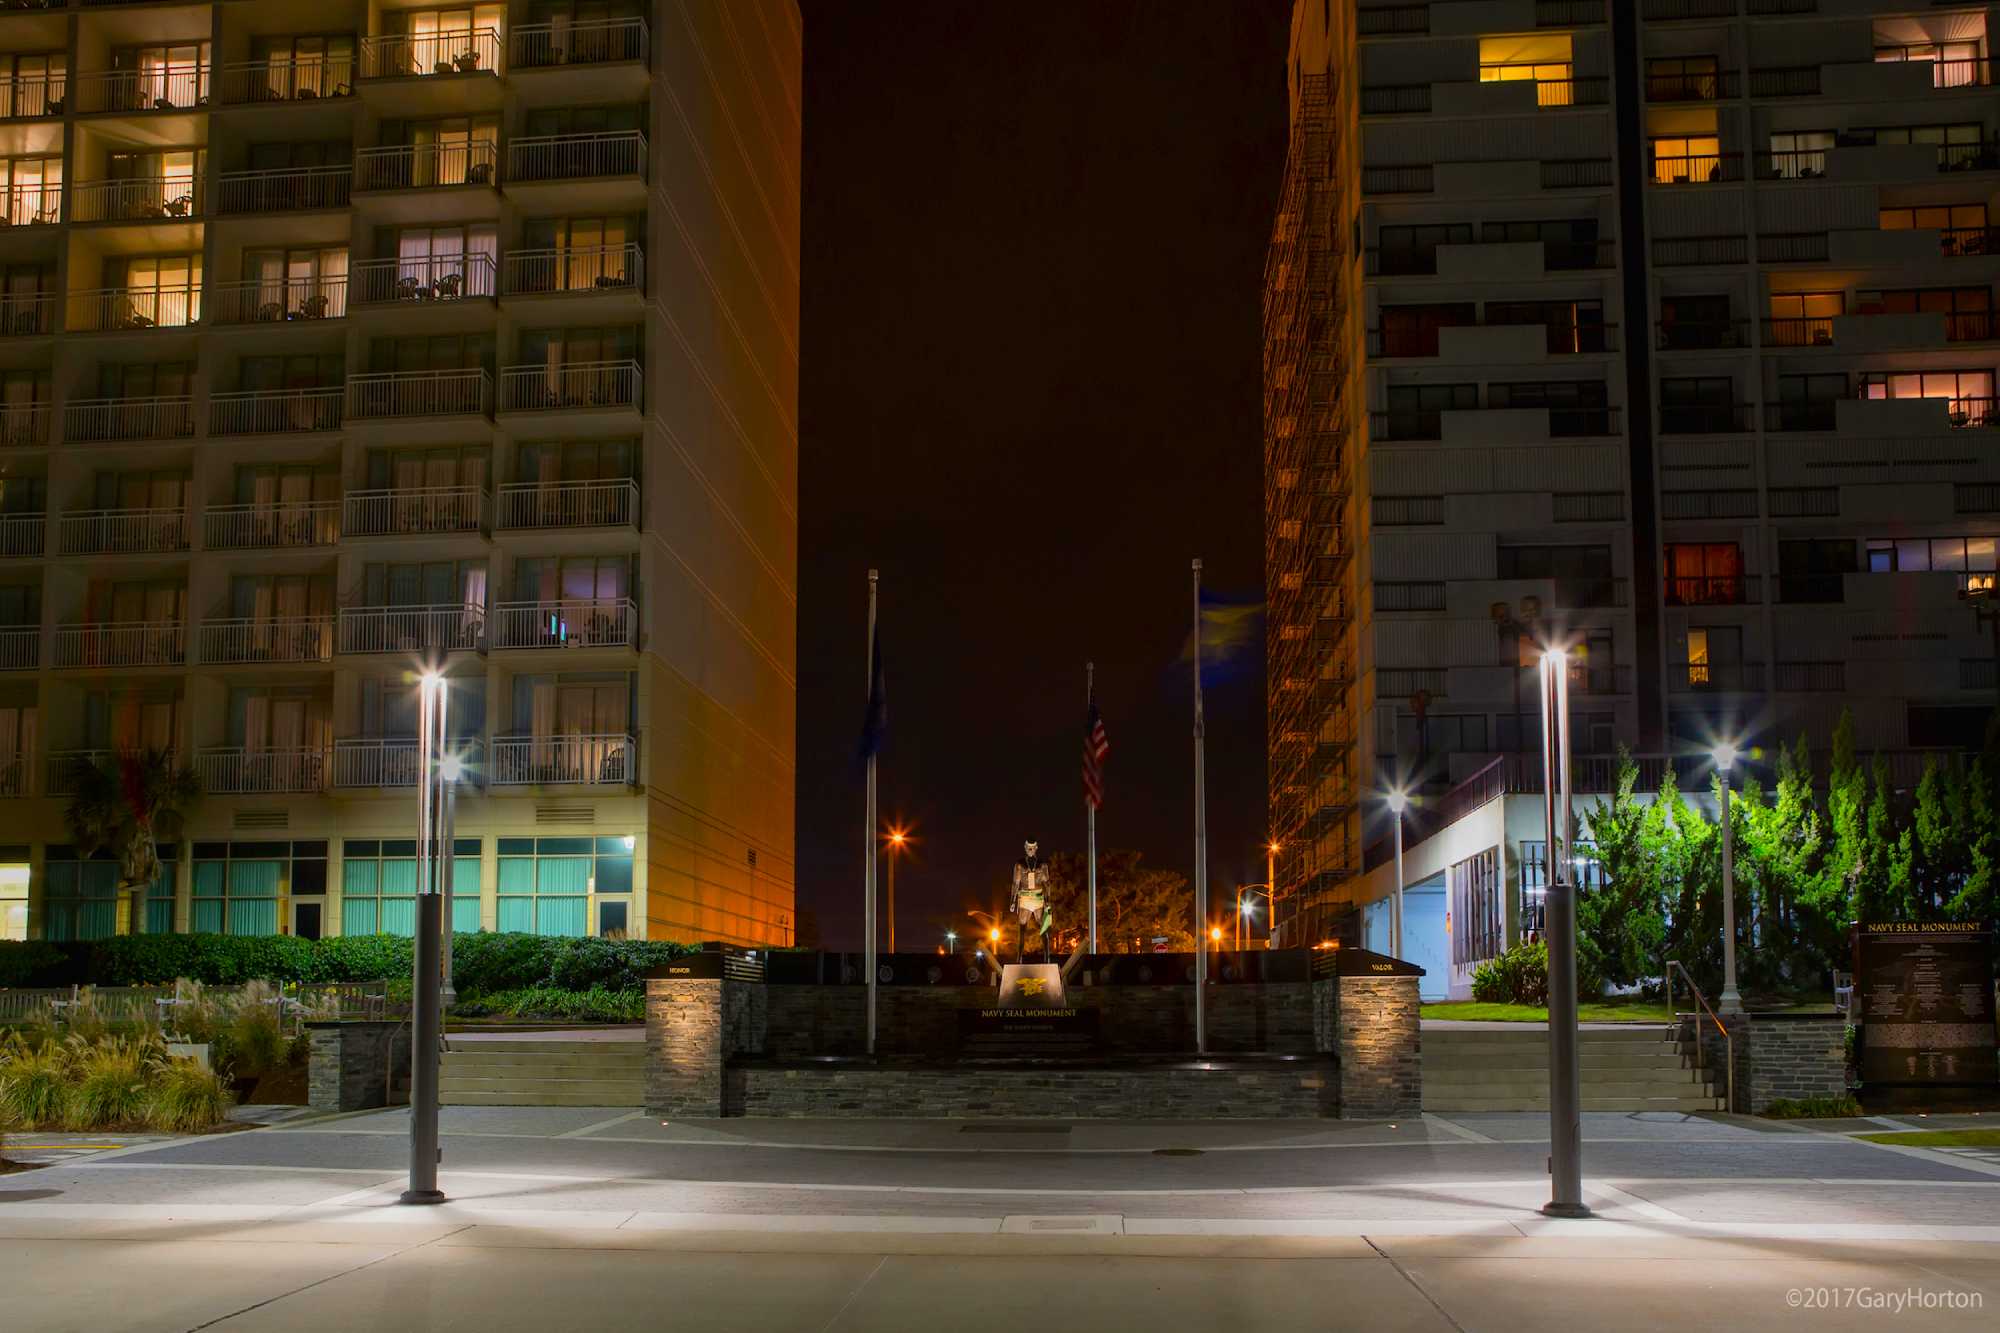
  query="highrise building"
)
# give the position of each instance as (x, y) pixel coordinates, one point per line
(1678, 350)
(341, 342)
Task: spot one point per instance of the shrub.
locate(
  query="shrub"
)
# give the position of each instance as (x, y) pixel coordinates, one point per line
(256, 1036)
(34, 1084)
(186, 1099)
(109, 1086)
(35, 963)
(594, 1005)
(1814, 1108)
(1518, 976)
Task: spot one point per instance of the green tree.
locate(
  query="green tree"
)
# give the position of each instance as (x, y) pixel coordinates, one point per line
(1779, 846)
(1621, 924)
(1135, 902)
(125, 807)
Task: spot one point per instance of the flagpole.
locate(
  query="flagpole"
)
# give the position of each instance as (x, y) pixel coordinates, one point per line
(1200, 843)
(868, 835)
(1090, 806)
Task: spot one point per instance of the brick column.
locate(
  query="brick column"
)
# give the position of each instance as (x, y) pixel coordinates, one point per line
(356, 1066)
(685, 1046)
(1790, 1057)
(1379, 1046)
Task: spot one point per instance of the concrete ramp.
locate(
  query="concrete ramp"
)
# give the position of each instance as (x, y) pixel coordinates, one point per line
(1505, 1067)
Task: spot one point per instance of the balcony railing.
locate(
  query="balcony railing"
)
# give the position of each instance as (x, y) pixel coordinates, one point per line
(1785, 81)
(1695, 87)
(422, 166)
(1417, 178)
(25, 423)
(451, 628)
(1709, 590)
(27, 314)
(160, 88)
(122, 644)
(600, 760)
(585, 42)
(585, 384)
(433, 278)
(1792, 247)
(243, 772)
(1672, 251)
(142, 199)
(558, 157)
(242, 527)
(1799, 331)
(1969, 156)
(589, 268)
(107, 308)
(63, 765)
(268, 639)
(568, 504)
(1396, 99)
(1968, 326)
(566, 623)
(403, 54)
(1697, 168)
(285, 189)
(275, 411)
(393, 761)
(1974, 414)
(419, 393)
(296, 80)
(1688, 335)
(1812, 677)
(1955, 241)
(33, 96)
(20, 647)
(122, 531)
(1722, 677)
(1704, 418)
(1562, 337)
(159, 418)
(1795, 164)
(1576, 173)
(23, 534)
(1399, 20)
(31, 205)
(276, 300)
(410, 510)
(1812, 589)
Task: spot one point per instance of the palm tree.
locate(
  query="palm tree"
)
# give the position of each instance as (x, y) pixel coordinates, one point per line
(126, 807)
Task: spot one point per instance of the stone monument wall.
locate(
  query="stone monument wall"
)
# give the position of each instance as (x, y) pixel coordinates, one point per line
(1379, 1047)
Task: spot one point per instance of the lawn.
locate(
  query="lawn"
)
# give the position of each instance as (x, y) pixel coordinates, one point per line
(1939, 1138)
(1636, 1011)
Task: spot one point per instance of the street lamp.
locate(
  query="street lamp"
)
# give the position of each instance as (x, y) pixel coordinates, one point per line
(1731, 1002)
(1983, 596)
(434, 813)
(1565, 1079)
(897, 839)
(951, 941)
(1244, 910)
(1399, 801)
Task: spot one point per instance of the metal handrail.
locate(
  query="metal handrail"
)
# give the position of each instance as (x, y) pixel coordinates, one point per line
(1729, 1039)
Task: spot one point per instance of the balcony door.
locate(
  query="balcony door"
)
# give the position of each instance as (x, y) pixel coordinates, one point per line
(142, 490)
(295, 284)
(119, 721)
(445, 262)
(585, 252)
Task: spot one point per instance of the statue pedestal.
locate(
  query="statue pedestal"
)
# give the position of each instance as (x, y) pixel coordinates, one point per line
(1031, 986)
(1030, 1022)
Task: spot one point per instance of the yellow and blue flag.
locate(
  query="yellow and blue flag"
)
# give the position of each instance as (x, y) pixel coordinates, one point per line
(1232, 637)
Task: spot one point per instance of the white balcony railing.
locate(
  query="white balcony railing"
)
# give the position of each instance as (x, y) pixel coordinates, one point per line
(402, 511)
(32, 96)
(285, 189)
(391, 761)
(274, 302)
(122, 531)
(573, 42)
(302, 79)
(267, 639)
(275, 411)
(578, 384)
(122, 644)
(239, 527)
(159, 88)
(31, 205)
(557, 157)
(162, 418)
(414, 166)
(134, 308)
(238, 771)
(604, 760)
(405, 54)
(568, 504)
(27, 314)
(20, 647)
(433, 278)
(25, 423)
(63, 764)
(451, 628)
(585, 268)
(23, 534)
(136, 200)
(419, 393)
(566, 623)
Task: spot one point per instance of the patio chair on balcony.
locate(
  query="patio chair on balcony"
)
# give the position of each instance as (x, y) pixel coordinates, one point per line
(411, 288)
(129, 317)
(313, 307)
(465, 62)
(448, 287)
(178, 208)
(270, 312)
(479, 173)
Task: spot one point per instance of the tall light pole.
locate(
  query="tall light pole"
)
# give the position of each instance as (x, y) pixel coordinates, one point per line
(1399, 801)
(1981, 595)
(1249, 909)
(426, 1000)
(897, 839)
(1565, 1081)
(1271, 880)
(1731, 1002)
(951, 941)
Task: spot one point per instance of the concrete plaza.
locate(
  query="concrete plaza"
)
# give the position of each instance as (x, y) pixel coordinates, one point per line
(582, 1217)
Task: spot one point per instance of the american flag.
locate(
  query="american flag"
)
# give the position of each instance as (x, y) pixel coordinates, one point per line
(1095, 746)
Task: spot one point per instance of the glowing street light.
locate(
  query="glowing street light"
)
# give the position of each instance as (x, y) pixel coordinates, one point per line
(1565, 1079)
(1398, 801)
(1731, 1002)
(897, 840)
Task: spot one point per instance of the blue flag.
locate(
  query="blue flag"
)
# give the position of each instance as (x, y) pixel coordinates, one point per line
(1232, 636)
(875, 722)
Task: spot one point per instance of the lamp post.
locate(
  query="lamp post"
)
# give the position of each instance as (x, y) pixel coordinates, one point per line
(951, 941)
(1249, 909)
(897, 839)
(1565, 1081)
(1399, 801)
(1731, 1002)
(1981, 595)
(426, 999)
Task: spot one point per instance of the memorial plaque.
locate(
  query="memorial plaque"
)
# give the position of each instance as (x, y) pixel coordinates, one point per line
(1924, 999)
(1031, 986)
(1026, 1033)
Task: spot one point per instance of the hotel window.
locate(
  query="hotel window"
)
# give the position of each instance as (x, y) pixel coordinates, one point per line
(1800, 155)
(137, 601)
(389, 709)
(25, 293)
(1588, 869)
(236, 885)
(458, 150)
(153, 291)
(296, 284)
(1806, 402)
(302, 67)
(1476, 890)
(1959, 147)
(1956, 64)
(450, 351)
(163, 489)
(1704, 574)
(1416, 411)
(1412, 330)
(459, 40)
(160, 184)
(24, 401)
(1962, 228)
(1813, 569)
(160, 78)
(1698, 405)
(121, 720)
(570, 728)
(1967, 311)
(1543, 59)
(1687, 158)
(545, 883)
(431, 583)
(1969, 392)
(1444, 733)
(32, 189)
(440, 263)
(164, 379)
(573, 254)
(378, 886)
(1572, 326)
(1682, 79)
(14, 875)
(266, 373)
(24, 494)
(1804, 319)
(33, 84)
(80, 898)
(1970, 559)
(17, 747)
(1412, 249)
(577, 460)
(418, 469)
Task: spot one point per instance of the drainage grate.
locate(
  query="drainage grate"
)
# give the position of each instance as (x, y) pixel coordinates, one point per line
(1003, 1128)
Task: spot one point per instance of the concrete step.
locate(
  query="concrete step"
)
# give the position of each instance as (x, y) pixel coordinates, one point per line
(621, 1047)
(1454, 1094)
(608, 1099)
(553, 1069)
(1441, 1074)
(1679, 1105)
(1635, 1059)
(1533, 1032)
(617, 1087)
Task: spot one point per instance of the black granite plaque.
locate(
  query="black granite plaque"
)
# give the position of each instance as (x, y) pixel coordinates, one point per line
(1924, 999)
(1018, 1033)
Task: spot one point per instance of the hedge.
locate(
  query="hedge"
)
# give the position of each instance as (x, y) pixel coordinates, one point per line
(482, 962)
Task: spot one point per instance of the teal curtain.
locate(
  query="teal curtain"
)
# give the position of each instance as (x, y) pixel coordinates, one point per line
(399, 877)
(517, 914)
(464, 914)
(563, 874)
(562, 916)
(160, 913)
(357, 916)
(399, 917)
(360, 879)
(255, 879)
(253, 897)
(253, 916)
(517, 874)
(206, 916)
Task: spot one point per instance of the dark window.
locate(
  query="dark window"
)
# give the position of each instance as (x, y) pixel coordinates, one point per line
(1810, 570)
(1413, 249)
(1415, 409)
(1412, 330)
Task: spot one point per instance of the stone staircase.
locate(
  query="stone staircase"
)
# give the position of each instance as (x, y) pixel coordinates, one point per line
(529, 1072)
(1636, 1068)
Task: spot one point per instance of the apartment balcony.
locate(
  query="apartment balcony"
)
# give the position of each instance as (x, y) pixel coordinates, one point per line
(1705, 418)
(566, 623)
(309, 80)
(393, 761)
(413, 511)
(63, 765)
(1711, 590)
(20, 647)
(1812, 589)
(1685, 251)
(1458, 342)
(426, 166)
(1715, 677)
(105, 309)
(280, 525)
(585, 42)
(1711, 87)
(1696, 168)
(162, 88)
(1814, 415)
(576, 157)
(239, 771)
(1956, 242)
(27, 314)
(1805, 331)
(461, 51)
(33, 96)
(1491, 260)
(588, 384)
(158, 418)
(1393, 20)
(451, 628)
(278, 301)
(267, 639)
(275, 411)
(386, 394)
(1785, 81)
(23, 535)
(592, 270)
(24, 424)
(1812, 678)
(568, 504)
(135, 643)
(146, 199)
(30, 205)
(593, 761)
(122, 532)
(1701, 335)
(431, 280)
(284, 189)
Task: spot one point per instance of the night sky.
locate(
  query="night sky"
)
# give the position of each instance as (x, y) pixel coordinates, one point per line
(1029, 394)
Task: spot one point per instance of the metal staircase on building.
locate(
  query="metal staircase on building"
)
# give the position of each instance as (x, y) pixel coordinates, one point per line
(530, 1072)
(1638, 1068)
